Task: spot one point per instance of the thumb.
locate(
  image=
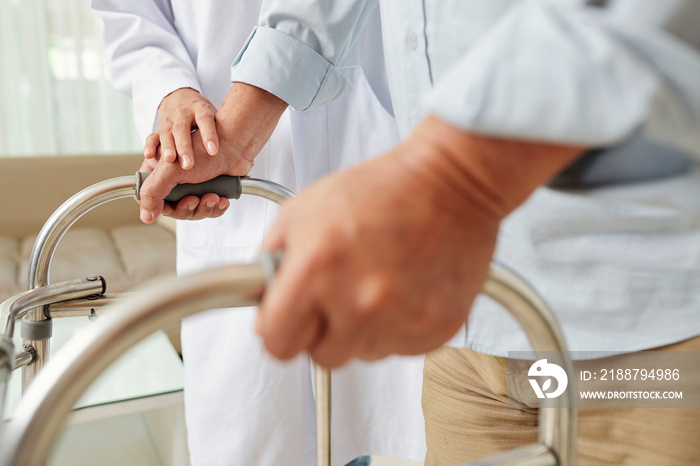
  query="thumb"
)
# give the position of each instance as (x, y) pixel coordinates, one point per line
(153, 193)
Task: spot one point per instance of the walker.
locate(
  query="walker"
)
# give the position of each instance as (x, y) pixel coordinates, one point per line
(45, 405)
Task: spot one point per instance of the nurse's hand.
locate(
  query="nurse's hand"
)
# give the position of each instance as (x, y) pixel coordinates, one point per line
(179, 113)
(388, 257)
(244, 123)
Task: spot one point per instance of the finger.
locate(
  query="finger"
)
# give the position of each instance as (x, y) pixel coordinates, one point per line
(431, 330)
(374, 344)
(168, 146)
(207, 130)
(207, 206)
(150, 215)
(182, 134)
(148, 165)
(221, 208)
(153, 192)
(185, 208)
(167, 209)
(287, 320)
(348, 325)
(151, 145)
(338, 343)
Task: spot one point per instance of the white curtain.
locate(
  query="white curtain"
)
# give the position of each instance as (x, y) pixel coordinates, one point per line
(55, 96)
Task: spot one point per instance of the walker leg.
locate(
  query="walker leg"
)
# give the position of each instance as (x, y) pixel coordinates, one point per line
(323, 416)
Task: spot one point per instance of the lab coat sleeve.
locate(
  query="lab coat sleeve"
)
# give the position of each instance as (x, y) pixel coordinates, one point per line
(295, 49)
(562, 72)
(146, 57)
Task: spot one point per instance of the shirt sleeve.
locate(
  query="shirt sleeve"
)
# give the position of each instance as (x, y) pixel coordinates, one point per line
(146, 57)
(294, 51)
(561, 72)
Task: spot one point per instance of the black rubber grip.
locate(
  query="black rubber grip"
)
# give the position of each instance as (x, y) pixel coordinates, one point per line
(224, 186)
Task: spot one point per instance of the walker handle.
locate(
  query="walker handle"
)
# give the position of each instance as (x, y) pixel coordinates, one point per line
(224, 185)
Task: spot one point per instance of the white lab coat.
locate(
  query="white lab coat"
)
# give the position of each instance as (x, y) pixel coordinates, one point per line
(242, 406)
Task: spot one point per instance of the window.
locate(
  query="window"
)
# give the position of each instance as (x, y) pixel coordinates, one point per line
(55, 95)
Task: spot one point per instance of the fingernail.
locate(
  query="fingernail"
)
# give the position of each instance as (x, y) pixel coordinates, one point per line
(211, 204)
(146, 152)
(145, 216)
(186, 161)
(211, 148)
(169, 155)
(191, 207)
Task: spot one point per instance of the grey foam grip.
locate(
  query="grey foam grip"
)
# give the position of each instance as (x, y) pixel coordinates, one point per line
(224, 186)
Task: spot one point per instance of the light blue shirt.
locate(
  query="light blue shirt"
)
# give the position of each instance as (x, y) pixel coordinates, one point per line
(620, 266)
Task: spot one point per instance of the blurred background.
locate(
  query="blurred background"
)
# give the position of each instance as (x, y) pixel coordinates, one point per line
(55, 93)
(63, 127)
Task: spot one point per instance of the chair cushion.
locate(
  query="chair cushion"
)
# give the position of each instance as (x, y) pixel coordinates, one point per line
(125, 256)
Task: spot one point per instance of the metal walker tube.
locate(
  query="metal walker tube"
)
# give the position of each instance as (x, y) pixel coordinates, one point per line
(42, 411)
(558, 416)
(67, 214)
(45, 246)
(47, 403)
(19, 305)
(100, 193)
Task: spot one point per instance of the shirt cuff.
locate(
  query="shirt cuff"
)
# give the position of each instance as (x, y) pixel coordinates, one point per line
(289, 69)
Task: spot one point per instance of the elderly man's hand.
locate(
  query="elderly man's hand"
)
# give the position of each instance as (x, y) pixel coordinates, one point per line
(209, 205)
(244, 123)
(388, 257)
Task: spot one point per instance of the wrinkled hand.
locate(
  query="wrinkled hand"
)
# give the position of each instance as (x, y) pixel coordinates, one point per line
(166, 175)
(388, 257)
(244, 123)
(375, 264)
(179, 113)
(191, 207)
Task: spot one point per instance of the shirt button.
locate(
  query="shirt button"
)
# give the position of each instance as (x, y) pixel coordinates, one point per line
(411, 40)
